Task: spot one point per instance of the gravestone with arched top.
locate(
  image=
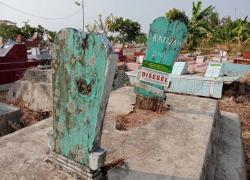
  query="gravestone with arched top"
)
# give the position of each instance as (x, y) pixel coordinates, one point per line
(83, 70)
(165, 41)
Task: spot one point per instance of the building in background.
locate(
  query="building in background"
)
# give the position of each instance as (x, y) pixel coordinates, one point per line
(9, 23)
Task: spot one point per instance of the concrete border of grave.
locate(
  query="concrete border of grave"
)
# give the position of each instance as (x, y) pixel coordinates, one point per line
(10, 119)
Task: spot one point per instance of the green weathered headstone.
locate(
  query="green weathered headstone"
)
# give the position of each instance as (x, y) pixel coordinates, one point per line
(83, 70)
(165, 41)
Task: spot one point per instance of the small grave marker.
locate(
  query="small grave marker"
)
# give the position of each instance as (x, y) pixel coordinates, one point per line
(200, 59)
(180, 68)
(83, 70)
(165, 41)
(214, 70)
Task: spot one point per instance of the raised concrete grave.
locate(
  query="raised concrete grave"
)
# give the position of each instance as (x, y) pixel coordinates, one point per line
(179, 146)
(9, 119)
(35, 90)
(231, 160)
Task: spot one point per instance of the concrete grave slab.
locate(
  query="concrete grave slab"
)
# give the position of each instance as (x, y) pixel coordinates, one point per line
(5, 87)
(9, 119)
(38, 75)
(231, 160)
(196, 85)
(35, 90)
(23, 154)
(37, 96)
(180, 146)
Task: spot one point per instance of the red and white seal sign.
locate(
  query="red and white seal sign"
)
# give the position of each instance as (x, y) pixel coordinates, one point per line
(153, 76)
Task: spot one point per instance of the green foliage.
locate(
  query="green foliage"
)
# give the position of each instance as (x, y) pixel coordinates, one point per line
(175, 14)
(214, 20)
(141, 38)
(205, 28)
(126, 29)
(223, 33)
(118, 29)
(199, 27)
(52, 35)
(11, 31)
(241, 30)
(27, 30)
(230, 32)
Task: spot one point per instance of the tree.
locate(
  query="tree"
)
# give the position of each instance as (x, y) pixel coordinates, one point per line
(205, 28)
(175, 14)
(118, 29)
(100, 25)
(52, 35)
(126, 30)
(214, 20)
(214, 24)
(9, 31)
(240, 30)
(27, 30)
(198, 26)
(230, 32)
(141, 38)
(224, 33)
(246, 42)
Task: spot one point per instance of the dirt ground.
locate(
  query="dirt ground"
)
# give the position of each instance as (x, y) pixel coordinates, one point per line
(29, 117)
(136, 119)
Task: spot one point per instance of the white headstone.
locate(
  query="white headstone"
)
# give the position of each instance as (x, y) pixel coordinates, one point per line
(223, 53)
(139, 59)
(214, 70)
(180, 68)
(200, 59)
(35, 51)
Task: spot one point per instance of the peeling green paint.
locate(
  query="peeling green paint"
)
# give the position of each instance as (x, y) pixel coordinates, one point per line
(165, 41)
(83, 69)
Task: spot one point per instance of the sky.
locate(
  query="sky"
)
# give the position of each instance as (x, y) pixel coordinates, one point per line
(142, 11)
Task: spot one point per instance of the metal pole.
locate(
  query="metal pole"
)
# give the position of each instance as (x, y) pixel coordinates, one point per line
(83, 15)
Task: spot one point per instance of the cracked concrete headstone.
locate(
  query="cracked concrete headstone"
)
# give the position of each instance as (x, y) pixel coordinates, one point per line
(83, 70)
(165, 41)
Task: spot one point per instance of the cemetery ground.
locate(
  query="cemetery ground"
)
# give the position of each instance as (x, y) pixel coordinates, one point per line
(25, 150)
(232, 101)
(165, 114)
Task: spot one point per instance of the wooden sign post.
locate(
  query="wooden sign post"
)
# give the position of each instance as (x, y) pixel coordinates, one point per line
(165, 41)
(83, 70)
